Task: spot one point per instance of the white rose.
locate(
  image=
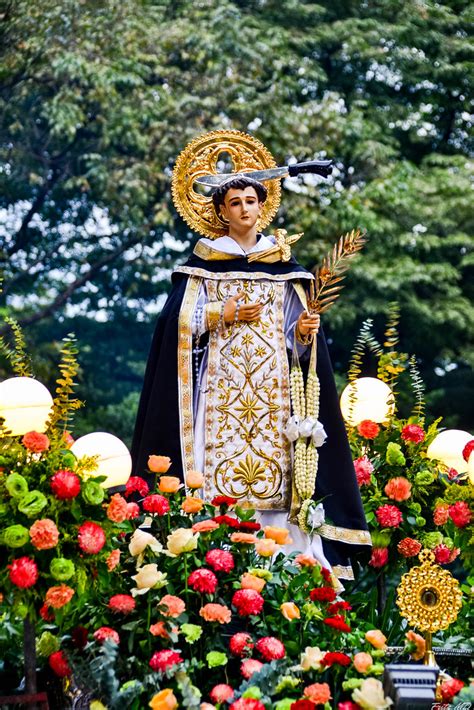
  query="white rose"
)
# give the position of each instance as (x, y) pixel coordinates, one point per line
(140, 540)
(182, 540)
(311, 658)
(147, 577)
(370, 695)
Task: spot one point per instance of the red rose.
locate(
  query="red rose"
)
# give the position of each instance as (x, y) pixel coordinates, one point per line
(379, 557)
(226, 520)
(203, 580)
(65, 485)
(413, 432)
(249, 667)
(136, 484)
(468, 449)
(248, 602)
(331, 659)
(241, 644)
(223, 500)
(221, 693)
(450, 688)
(247, 704)
(156, 504)
(338, 606)
(249, 526)
(270, 648)
(323, 594)
(337, 622)
(302, 705)
(91, 538)
(122, 602)
(409, 547)
(161, 660)
(220, 560)
(58, 663)
(368, 429)
(104, 633)
(460, 514)
(389, 516)
(36, 442)
(23, 572)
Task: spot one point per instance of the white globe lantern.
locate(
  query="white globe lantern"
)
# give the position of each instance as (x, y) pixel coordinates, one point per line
(447, 447)
(25, 404)
(366, 398)
(470, 468)
(114, 460)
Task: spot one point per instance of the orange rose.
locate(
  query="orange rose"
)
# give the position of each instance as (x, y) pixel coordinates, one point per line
(194, 479)
(376, 639)
(290, 611)
(419, 652)
(249, 581)
(169, 484)
(205, 526)
(159, 464)
(363, 662)
(280, 535)
(164, 700)
(192, 505)
(267, 547)
(245, 538)
(306, 560)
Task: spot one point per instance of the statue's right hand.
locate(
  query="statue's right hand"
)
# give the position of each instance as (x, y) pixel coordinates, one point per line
(247, 311)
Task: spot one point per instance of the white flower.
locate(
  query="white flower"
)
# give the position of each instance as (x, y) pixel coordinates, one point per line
(182, 540)
(318, 434)
(316, 516)
(307, 426)
(148, 577)
(311, 658)
(370, 695)
(291, 431)
(140, 540)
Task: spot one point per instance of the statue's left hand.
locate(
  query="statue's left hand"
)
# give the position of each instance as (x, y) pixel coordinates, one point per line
(308, 324)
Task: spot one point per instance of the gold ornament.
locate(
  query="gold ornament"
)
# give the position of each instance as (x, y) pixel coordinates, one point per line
(429, 598)
(199, 158)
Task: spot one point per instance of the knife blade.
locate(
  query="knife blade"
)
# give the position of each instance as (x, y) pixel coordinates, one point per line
(317, 167)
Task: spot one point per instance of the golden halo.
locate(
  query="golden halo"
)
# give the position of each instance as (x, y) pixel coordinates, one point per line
(428, 596)
(200, 158)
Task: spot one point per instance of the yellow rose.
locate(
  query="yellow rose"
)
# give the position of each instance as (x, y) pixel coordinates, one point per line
(140, 540)
(159, 464)
(376, 638)
(147, 577)
(290, 611)
(370, 695)
(311, 658)
(169, 484)
(182, 540)
(280, 535)
(164, 700)
(266, 547)
(194, 479)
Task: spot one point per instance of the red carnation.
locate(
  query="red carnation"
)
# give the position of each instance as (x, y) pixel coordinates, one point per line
(161, 660)
(460, 514)
(65, 485)
(249, 667)
(249, 526)
(379, 557)
(156, 504)
(221, 693)
(398, 488)
(450, 688)
(413, 432)
(46, 613)
(23, 572)
(36, 442)
(247, 602)
(389, 516)
(124, 603)
(363, 470)
(441, 514)
(326, 574)
(338, 606)
(468, 449)
(91, 538)
(444, 554)
(58, 663)
(409, 547)
(241, 644)
(226, 520)
(220, 560)
(203, 580)
(247, 704)
(270, 648)
(223, 500)
(104, 633)
(368, 429)
(337, 622)
(302, 705)
(336, 658)
(323, 594)
(136, 484)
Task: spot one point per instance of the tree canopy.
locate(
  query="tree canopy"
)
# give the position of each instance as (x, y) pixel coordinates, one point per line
(98, 98)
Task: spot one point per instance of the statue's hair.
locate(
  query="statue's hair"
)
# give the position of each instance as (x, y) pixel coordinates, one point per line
(237, 183)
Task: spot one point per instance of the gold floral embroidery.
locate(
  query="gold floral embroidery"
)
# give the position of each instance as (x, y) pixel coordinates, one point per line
(353, 537)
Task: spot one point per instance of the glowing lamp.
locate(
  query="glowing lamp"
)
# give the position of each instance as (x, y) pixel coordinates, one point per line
(447, 447)
(366, 398)
(25, 404)
(114, 460)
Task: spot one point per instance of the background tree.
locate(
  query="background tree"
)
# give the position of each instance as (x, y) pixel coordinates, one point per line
(98, 98)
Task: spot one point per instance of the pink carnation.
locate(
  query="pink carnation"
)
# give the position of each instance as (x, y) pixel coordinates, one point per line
(241, 644)
(247, 704)
(379, 557)
(91, 538)
(65, 485)
(221, 693)
(113, 560)
(248, 602)
(363, 469)
(445, 555)
(270, 648)
(460, 514)
(104, 633)
(161, 660)
(155, 503)
(35, 442)
(136, 484)
(44, 534)
(133, 510)
(23, 572)
(249, 667)
(441, 514)
(413, 432)
(117, 510)
(123, 603)
(220, 560)
(203, 580)
(398, 489)
(389, 516)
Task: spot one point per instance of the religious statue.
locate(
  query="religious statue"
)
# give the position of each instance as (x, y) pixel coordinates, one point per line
(232, 378)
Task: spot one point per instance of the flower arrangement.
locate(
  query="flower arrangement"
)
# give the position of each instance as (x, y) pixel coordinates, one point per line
(205, 605)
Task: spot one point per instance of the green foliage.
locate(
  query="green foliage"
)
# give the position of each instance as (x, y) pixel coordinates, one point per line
(64, 404)
(16, 354)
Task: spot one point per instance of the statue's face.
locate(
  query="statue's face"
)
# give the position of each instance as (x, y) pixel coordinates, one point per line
(241, 208)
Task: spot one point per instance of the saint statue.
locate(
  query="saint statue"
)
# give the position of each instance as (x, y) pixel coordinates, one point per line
(219, 392)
